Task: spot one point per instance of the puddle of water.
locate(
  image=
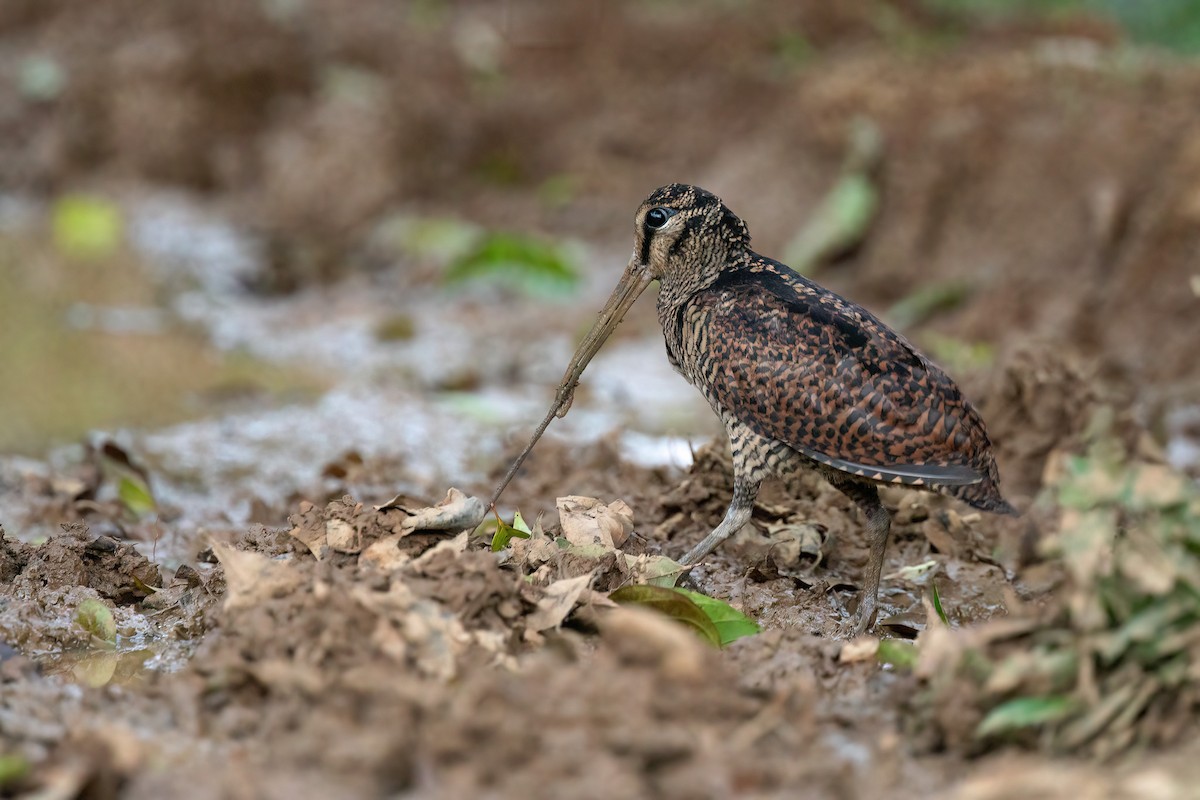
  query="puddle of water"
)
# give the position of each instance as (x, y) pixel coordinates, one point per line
(93, 667)
(389, 397)
(214, 469)
(660, 451)
(88, 345)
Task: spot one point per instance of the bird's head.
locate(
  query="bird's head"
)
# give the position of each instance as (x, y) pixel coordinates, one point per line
(684, 236)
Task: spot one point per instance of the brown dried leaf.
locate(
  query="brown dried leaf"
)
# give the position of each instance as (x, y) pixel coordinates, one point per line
(585, 521)
(939, 537)
(1158, 486)
(287, 675)
(385, 554)
(416, 631)
(342, 536)
(536, 550)
(797, 543)
(457, 512)
(252, 578)
(308, 528)
(1141, 559)
(640, 635)
(862, 648)
(654, 570)
(558, 599)
(457, 545)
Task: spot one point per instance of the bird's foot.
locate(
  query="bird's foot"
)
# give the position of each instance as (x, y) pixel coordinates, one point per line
(866, 615)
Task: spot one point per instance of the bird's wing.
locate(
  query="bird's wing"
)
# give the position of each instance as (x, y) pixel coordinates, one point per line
(802, 365)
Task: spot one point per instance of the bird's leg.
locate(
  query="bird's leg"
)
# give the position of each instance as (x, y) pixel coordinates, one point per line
(879, 523)
(740, 508)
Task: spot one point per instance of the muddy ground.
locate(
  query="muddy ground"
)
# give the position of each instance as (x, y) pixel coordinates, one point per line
(277, 635)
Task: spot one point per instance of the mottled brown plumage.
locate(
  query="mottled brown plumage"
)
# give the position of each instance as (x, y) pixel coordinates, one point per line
(800, 376)
(803, 377)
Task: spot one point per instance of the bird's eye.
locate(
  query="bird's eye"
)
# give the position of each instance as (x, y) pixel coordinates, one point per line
(656, 218)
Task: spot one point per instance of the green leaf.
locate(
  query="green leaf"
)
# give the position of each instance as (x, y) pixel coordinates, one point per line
(730, 623)
(926, 302)
(1151, 624)
(675, 605)
(396, 328)
(898, 653)
(936, 599)
(518, 262)
(1025, 712)
(505, 533)
(135, 496)
(437, 238)
(13, 768)
(96, 619)
(843, 218)
(793, 49)
(558, 191)
(957, 354)
(662, 571)
(837, 225)
(86, 227)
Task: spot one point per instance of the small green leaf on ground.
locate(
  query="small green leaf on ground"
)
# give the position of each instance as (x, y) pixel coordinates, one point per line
(1025, 712)
(898, 653)
(396, 328)
(558, 191)
(843, 219)
(730, 623)
(793, 49)
(95, 618)
(135, 496)
(956, 354)
(86, 227)
(518, 262)
(505, 533)
(13, 768)
(926, 302)
(144, 587)
(439, 239)
(659, 571)
(675, 605)
(936, 599)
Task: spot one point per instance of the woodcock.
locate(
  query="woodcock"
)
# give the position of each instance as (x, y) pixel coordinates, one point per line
(800, 376)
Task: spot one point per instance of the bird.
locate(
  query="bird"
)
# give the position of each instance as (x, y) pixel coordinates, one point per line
(799, 376)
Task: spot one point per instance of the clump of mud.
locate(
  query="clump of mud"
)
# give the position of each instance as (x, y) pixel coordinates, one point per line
(42, 585)
(1045, 397)
(361, 654)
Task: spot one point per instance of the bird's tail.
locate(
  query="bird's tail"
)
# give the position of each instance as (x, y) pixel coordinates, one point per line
(985, 495)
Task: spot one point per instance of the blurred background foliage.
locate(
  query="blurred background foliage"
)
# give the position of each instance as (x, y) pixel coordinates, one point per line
(460, 153)
(1173, 24)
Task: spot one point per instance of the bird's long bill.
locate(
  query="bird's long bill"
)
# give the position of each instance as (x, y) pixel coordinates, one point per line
(633, 282)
